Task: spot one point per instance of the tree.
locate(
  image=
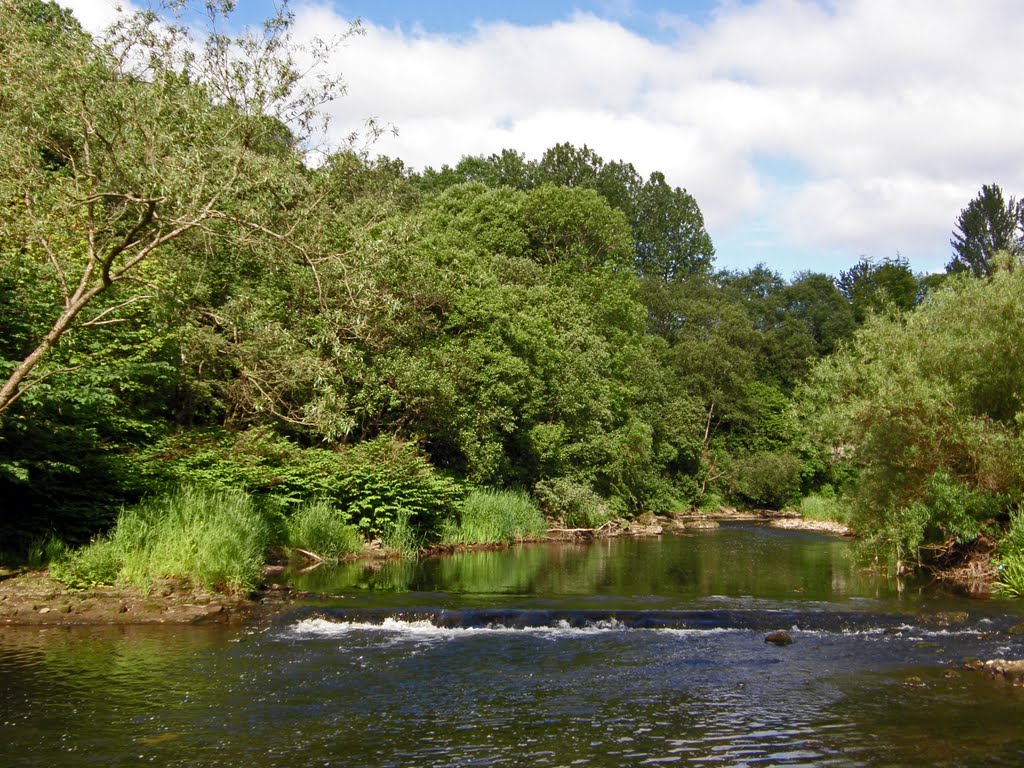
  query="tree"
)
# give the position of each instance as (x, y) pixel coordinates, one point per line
(671, 241)
(929, 411)
(871, 286)
(136, 147)
(987, 225)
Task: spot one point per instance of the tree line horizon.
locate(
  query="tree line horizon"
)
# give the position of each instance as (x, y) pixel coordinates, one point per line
(185, 296)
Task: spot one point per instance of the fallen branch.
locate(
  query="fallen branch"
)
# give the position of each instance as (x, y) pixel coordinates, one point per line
(311, 555)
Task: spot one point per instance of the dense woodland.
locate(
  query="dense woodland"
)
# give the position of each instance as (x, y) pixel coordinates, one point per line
(193, 302)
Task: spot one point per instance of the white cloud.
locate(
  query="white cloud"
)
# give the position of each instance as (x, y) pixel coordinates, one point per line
(95, 15)
(892, 113)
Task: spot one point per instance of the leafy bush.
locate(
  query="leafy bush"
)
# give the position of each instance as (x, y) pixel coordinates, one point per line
(1012, 541)
(765, 479)
(386, 487)
(97, 563)
(211, 538)
(927, 407)
(495, 517)
(576, 504)
(390, 490)
(711, 501)
(320, 528)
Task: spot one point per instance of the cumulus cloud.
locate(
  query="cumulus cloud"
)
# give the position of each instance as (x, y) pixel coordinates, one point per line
(895, 113)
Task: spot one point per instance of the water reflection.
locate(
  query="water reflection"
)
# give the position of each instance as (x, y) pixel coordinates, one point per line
(737, 560)
(314, 686)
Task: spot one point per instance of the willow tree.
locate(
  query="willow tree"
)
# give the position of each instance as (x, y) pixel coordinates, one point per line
(122, 154)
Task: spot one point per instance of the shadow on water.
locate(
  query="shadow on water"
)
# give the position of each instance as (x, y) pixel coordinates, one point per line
(624, 652)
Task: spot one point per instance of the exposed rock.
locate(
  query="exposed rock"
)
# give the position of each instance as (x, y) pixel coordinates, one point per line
(1010, 670)
(801, 524)
(778, 638)
(1016, 629)
(701, 523)
(974, 665)
(946, 618)
(914, 682)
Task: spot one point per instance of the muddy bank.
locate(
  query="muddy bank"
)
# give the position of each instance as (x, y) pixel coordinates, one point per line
(34, 598)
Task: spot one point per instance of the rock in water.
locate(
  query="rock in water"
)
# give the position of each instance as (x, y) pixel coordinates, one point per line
(778, 638)
(1012, 671)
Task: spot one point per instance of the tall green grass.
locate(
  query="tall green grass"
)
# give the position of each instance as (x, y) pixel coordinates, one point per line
(210, 538)
(495, 517)
(320, 528)
(1009, 581)
(823, 507)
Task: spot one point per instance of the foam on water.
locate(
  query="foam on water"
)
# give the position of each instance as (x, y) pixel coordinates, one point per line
(424, 629)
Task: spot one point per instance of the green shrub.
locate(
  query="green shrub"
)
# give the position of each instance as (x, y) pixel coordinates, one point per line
(97, 563)
(894, 536)
(386, 487)
(495, 517)
(43, 551)
(711, 501)
(765, 479)
(576, 504)
(391, 491)
(318, 527)
(212, 538)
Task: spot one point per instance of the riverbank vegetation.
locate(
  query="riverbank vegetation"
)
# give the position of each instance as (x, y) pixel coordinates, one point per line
(205, 327)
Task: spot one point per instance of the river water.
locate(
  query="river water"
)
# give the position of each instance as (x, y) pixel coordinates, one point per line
(619, 652)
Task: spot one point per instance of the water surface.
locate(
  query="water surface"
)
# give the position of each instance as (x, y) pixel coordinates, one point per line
(623, 652)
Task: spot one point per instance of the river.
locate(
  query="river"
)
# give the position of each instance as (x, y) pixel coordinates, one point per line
(617, 652)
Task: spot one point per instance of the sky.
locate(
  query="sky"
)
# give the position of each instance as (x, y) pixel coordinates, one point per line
(811, 132)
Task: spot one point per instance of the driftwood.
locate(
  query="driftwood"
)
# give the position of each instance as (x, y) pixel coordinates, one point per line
(310, 555)
(590, 531)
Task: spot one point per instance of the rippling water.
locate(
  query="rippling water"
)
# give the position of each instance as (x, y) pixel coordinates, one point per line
(624, 653)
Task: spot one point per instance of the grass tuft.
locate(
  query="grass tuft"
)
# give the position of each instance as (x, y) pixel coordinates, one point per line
(495, 517)
(318, 527)
(825, 508)
(212, 538)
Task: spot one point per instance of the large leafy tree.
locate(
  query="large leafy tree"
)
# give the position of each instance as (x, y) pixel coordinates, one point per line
(989, 224)
(137, 147)
(929, 410)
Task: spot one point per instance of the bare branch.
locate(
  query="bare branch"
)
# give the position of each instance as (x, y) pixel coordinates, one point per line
(98, 319)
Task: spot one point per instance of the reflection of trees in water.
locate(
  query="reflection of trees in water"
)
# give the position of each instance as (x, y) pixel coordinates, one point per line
(733, 561)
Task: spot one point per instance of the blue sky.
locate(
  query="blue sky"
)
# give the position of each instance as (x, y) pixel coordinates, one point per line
(811, 132)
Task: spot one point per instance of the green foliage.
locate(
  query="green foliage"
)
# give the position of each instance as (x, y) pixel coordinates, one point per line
(385, 487)
(886, 285)
(389, 490)
(767, 479)
(823, 506)
(1012, 543)
(318, 527)
(99, 562)
(488, 516)
(987, 226)
(928, 408)
(215, 539)
(1009, 581)
(576, 504)
(45, 550)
